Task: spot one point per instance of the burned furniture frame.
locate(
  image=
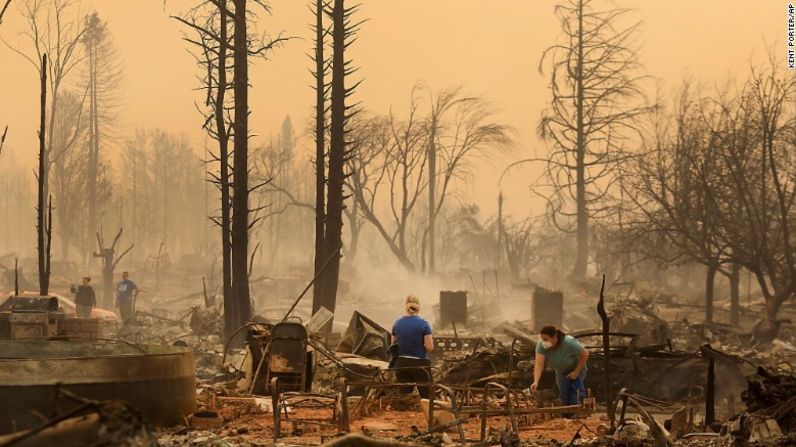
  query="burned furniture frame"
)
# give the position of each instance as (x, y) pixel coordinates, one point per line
(474, 402)
(467, 402)
(382, 381)
(337, 403)
(286, 357)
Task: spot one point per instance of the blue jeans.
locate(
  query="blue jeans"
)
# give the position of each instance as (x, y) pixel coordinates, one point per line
(571, 392)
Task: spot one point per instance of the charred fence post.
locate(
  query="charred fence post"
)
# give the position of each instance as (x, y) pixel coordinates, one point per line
(609, 395)
(710, 394)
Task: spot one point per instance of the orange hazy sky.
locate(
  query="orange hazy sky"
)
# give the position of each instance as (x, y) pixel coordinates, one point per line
(490, 46)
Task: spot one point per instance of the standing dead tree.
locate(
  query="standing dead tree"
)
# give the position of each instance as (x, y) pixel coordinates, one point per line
(344, 31)
(391, 164)
(240, 175)
(440, 105)
(522, 244)
(103, 80)
(69, 166)
(671, 184)
(109, 263)
(320, 72)
(454, 142)
(43, 228)
(211, 23)
(225, 41)
(391, 159)
(755, 139)
(593, 83)
(721, 188)
(50, 31)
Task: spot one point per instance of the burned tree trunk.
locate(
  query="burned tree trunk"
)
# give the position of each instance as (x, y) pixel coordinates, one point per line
(93, 134)
(334, 208)
(240, 182)
(432, 199)
(41, 221)
(230, 308)
(609, 393)
(341, 33)
(586, 89)
(321, 251)
(710, 280)
(582, 254)
(735, 295)
(109, 263)
(710, 394)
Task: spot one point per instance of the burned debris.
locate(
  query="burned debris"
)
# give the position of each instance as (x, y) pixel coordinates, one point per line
(342, 276)
(294, 384)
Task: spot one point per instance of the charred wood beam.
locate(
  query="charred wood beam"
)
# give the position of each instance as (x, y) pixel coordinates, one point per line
(609, 395)
(710, 394)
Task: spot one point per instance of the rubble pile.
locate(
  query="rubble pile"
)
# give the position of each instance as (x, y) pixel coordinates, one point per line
(640, 316)
(156, 328)
(771, 405)
(486, 363)
(97, 423)
(206, 321)
(779, 354)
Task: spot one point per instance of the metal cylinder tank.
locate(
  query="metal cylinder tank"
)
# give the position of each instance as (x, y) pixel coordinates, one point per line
(157, 380)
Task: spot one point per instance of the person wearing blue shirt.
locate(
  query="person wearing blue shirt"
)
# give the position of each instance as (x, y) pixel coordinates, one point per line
(126, 292)
(564, 354)
(412, 334)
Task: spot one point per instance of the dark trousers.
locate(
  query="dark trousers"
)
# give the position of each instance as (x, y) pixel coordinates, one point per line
(83, 311)
(414, 370)
(127, 311)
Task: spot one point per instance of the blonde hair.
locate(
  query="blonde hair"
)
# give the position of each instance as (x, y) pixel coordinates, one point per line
(412, 304)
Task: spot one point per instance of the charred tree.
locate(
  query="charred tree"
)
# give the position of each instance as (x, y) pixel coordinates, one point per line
(223, 30)
(93, 158)
(224, 172)
(240, 182)
(343, 32)
(671, 183)
(103, 79)
(334, 206)
(50, 31)
(432, 194)
(109, 263)
(606, 323)
(213, 44)
(319, 73)
(593, 83)
(42, 228)
(735, 294)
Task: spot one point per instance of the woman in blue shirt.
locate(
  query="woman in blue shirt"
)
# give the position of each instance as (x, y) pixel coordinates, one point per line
(412, 334)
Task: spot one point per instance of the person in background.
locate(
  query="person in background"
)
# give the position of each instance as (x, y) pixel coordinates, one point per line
(564, 354)
(85, 299)
(412, 334)
(126, 292)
